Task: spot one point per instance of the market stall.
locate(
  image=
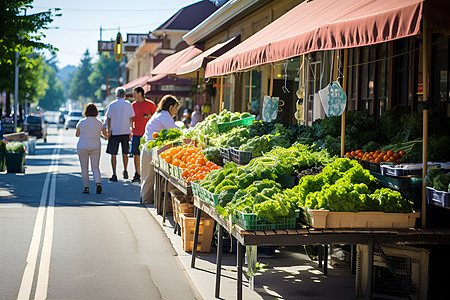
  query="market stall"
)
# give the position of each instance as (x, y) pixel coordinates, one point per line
(263, 167)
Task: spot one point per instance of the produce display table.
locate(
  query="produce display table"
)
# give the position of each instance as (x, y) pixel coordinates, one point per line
(298, 237)
(162, 180)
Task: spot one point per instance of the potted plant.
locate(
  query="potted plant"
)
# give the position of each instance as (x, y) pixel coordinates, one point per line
(2, 155)
(15, 157)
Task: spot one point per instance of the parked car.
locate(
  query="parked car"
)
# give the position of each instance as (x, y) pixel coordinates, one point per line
(72, 118)
(35, 125)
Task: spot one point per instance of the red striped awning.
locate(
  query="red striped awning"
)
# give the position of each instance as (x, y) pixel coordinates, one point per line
(141, 81)
(170, 64)
(326, 25)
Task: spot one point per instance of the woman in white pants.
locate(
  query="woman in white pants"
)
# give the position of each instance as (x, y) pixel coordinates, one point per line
(161, 119)
(89, 130)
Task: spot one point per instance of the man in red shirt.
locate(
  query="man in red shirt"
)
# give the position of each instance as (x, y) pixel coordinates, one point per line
(143, 110)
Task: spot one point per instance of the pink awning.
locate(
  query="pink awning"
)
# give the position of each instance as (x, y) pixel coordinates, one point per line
(170, 64)
(164, 79)
(326, 25)
(201, 60)
(141, 81)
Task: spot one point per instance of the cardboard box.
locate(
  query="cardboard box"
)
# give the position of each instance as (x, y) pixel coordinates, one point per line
(364, 219)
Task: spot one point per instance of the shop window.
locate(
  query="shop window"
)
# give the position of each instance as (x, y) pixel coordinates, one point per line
(382, 81)
(352, 81)
(252, 92)
(440, 83)
(403, 81)
(227, 92)
(367, 84)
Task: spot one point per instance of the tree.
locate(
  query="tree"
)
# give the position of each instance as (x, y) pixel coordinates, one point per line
(105, 66)
(80, 86)
(54, 95)
(20, 31)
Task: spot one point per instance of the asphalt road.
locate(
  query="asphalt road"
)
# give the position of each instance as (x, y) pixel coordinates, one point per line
(58, 243)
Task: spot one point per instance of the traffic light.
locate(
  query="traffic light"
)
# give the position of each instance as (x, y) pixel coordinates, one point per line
(118, 47)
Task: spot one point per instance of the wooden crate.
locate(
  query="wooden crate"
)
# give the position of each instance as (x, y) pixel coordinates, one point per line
(364, 219)
(206, 230)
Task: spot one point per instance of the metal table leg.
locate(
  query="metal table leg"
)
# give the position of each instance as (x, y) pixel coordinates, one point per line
(198, 214)
(219, 260)
(325, 260)
(320, 255)
(370, 270)
(353, 259)
(164, 208)
(239, 270)
(155, 191)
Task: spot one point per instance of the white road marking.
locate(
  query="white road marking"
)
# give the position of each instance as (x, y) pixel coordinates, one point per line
(28, 275)
(44, 265)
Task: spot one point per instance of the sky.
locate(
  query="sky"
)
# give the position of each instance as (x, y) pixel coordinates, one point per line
(78, 28)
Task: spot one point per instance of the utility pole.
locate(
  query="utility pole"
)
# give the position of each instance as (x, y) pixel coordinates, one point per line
(16, 91)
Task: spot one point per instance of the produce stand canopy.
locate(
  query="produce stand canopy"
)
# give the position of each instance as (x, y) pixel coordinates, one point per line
(171, 63)
(326, 25)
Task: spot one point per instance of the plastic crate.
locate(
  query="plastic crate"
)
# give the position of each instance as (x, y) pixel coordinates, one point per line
(411, 188)
(205, 195)
(438, 198)
(412, 170)
(250, 221)
(375, 167)
(225, 153)
(205, 232)
(164, 165)
(363, 219)
(241, 157)
(225, 126)
(245, 121)
(176, 172)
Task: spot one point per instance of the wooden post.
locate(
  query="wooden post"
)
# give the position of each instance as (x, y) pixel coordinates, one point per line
(271, 81)
(425, 121)
(221, 94)
(344, 86)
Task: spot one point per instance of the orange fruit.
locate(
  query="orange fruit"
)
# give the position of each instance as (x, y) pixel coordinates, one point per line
(155, 135)
(402, 153)
(390, 153)
(168, 159)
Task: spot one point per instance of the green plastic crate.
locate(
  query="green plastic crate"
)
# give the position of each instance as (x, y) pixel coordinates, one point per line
(176, 172)
(205, 195)
(164, 165)
(250, 221)
(411, 188)
(225, 126)
(245, 122)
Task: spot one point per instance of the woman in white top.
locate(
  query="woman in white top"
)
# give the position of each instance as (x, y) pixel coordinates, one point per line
(89, 130)
(161, 119)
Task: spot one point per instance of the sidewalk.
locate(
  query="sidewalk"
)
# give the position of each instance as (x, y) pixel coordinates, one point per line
(290, 274)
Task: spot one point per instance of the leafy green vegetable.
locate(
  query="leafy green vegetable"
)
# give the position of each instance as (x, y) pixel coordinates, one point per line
(165, 136)
(15, 147)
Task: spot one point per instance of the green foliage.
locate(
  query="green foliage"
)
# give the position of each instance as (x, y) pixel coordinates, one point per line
(21, 31)
(105, 66)
(438, 179)
(15, 147)
(344, 185)
(54, 92)
(164, 136)
(213, 154)
(81, 88)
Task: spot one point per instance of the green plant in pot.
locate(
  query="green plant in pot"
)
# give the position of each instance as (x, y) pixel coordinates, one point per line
(15, 157)
(2, 155)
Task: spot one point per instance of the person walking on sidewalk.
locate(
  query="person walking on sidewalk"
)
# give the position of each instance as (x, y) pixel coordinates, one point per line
(89, 130)
(119, 119)
(143, 110)
(162, 119)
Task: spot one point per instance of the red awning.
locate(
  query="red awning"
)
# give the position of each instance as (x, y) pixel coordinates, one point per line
(170, 64)
(201, 60)
(326, 25)
(141, 81)
(164, 79)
